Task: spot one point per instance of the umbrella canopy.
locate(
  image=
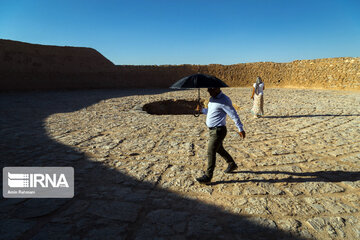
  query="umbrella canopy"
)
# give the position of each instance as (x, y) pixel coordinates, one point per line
(199, 81)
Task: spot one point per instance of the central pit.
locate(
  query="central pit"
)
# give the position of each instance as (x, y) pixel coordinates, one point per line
(171, 107)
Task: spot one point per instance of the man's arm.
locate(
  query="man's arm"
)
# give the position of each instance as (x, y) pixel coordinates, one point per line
(230, 110)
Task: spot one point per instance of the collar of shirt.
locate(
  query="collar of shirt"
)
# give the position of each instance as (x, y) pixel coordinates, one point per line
(219, 95)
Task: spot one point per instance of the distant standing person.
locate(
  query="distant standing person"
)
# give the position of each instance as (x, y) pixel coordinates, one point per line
(219, 106)
(258, 96)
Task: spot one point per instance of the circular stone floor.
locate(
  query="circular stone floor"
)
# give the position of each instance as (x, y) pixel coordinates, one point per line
(298, 175)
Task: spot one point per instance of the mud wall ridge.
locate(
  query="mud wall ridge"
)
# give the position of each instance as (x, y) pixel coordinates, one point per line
(25, 66)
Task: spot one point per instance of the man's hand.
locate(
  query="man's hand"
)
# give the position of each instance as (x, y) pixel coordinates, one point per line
(242, 134)
(198, 108)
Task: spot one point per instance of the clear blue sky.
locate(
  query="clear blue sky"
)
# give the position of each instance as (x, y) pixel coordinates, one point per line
(157, 32)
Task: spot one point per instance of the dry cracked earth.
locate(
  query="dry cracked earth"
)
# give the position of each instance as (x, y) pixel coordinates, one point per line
(298, 175)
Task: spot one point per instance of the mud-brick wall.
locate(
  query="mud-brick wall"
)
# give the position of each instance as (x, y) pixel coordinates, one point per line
(25, 66)
(238, 75)
(329, 73)
(244, 75)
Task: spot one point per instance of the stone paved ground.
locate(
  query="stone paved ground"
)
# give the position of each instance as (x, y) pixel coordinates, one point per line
(298, 176)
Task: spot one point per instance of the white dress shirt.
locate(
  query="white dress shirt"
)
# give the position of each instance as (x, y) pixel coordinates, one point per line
(217, 109)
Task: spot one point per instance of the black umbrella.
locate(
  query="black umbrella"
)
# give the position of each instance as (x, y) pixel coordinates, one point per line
(198, 81)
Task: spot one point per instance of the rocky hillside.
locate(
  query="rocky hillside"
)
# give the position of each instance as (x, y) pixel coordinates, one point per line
(25, 57)
(25, 66)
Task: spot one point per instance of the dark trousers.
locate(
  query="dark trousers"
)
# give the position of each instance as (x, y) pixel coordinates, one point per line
(217, 136)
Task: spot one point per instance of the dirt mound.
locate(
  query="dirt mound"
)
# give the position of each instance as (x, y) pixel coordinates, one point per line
(25, 66)
(25, 57)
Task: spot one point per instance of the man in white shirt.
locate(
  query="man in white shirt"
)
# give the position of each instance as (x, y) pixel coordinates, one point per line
(219, 106)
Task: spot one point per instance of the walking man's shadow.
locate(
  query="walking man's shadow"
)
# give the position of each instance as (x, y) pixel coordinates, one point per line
(315, 115)
(293, 177)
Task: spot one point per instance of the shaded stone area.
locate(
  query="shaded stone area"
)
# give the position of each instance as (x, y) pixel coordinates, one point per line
(298, 175)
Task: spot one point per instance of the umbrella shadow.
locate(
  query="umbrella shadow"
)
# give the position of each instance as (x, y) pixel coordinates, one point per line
(293, 177)
(316, 115)
(106, 200)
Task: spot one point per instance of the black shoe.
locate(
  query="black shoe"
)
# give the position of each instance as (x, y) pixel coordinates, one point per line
(231, 167)
(203, 179)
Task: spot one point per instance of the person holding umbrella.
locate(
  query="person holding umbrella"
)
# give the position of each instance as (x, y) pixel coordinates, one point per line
(219, 106)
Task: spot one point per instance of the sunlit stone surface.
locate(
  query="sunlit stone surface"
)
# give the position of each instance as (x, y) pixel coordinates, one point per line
(298, 175)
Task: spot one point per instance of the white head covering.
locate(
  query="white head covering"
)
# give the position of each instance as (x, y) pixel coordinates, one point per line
(258, 82)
